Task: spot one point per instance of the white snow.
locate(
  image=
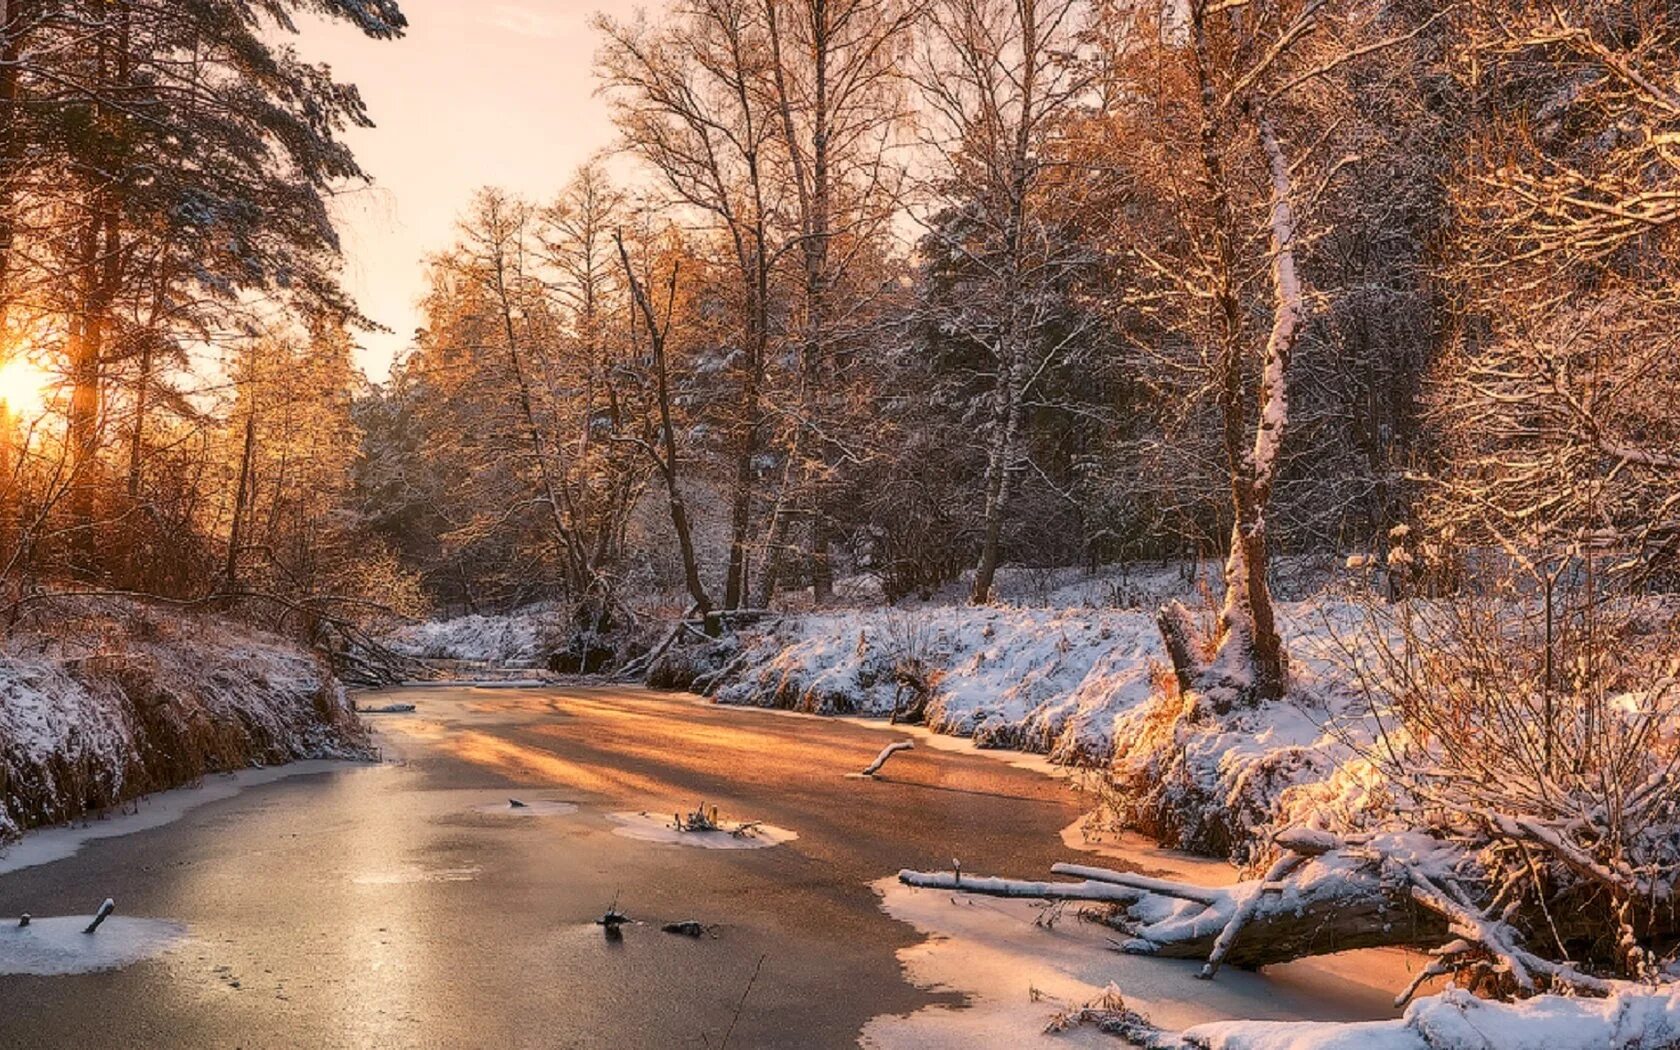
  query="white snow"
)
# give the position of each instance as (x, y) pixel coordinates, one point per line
(517, 639)
(650, 828)
(134, 699)
(55, 946)
(1633, 1018)
(1015, 976)
(1038, 679)
(1068, 683)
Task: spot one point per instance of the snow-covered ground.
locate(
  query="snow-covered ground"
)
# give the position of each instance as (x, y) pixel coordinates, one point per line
(1633, 1018)
(118, 701)
(522, 639)
(1020, 977)
(1066, 682)
(1047, 680)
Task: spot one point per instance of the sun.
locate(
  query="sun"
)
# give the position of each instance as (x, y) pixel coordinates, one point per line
(24, 386)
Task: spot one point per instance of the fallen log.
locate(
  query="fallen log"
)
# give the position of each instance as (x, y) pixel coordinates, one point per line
(1322, 909)
(993, 887)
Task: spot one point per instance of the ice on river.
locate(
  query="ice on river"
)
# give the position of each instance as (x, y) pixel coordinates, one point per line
(45, 845)
(650, 828)
(410, 874)
(56, 946)
(527, 808)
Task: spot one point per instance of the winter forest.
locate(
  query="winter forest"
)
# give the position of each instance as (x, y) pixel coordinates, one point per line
(1049, 500)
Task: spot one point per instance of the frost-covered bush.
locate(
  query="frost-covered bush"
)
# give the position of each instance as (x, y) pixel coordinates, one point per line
(1541, 735)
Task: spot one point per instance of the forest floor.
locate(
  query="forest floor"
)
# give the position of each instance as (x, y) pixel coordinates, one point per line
(408, 904)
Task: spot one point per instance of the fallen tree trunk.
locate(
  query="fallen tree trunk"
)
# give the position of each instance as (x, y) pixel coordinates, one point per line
(1277, 921)
(1323, 894)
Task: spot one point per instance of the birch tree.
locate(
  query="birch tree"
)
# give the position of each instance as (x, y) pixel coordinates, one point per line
(1207, 98)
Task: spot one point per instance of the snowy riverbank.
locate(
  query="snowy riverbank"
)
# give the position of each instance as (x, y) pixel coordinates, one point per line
(120, 700)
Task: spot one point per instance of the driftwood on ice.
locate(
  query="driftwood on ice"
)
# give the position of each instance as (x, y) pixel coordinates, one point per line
(887, 752)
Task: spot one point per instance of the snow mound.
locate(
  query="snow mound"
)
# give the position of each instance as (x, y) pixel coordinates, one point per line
(56, 946)
(648, 828)
(522, 638)
(1634, 1018)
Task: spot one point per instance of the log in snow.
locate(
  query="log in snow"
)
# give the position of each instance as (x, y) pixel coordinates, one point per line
(887, 752)
(1325, 906)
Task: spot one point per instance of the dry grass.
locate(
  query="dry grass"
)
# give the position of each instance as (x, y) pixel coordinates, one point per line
(144, 700)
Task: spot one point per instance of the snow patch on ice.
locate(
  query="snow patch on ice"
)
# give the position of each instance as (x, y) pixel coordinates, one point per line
(1146, 857)
(650, 828)
(1016, 975)
(56, 946)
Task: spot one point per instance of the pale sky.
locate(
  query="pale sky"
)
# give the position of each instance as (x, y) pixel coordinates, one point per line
(480, 92)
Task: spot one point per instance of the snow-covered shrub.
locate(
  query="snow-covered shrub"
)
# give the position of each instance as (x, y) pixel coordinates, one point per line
(683, 667)
(1048, 680)
(1542, 736)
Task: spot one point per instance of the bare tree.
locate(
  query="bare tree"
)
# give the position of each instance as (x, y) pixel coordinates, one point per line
(996, 79)
(690, 99)
(658, 439)
(1207, 97)
(840, 106)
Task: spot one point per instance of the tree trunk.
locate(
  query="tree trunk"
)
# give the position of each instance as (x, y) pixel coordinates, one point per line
(86, 352)
(740, 519)
(13, 137)
(822, 561)
(1250, 663)
(665, 454)
(741, 498)
(241, 497)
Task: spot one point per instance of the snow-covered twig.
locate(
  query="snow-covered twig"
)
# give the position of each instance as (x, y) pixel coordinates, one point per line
(887, 752)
